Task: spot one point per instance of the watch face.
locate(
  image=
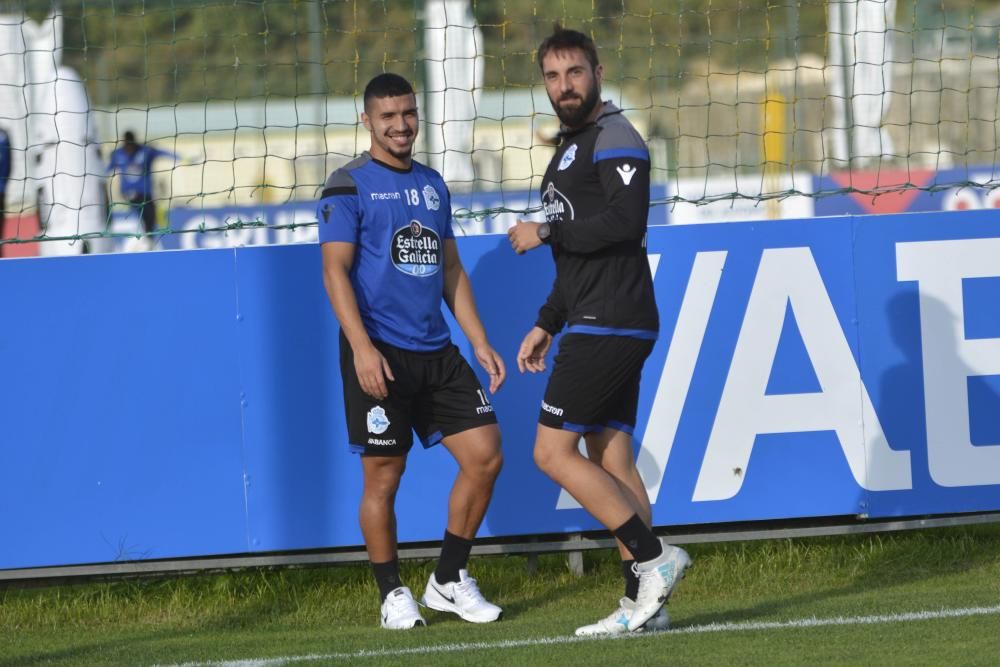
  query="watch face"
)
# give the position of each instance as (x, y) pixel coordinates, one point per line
(543, 231)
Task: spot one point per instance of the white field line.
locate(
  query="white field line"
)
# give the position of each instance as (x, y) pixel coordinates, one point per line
(812, 622)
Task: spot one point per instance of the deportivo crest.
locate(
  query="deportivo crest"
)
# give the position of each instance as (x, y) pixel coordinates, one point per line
(556, 206)
(416, 250)
(626, 171)
(377, 421)
(431, 198)
(567, 158)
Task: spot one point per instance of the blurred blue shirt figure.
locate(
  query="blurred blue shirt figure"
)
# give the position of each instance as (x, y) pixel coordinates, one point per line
(5, 158)
(133, 162)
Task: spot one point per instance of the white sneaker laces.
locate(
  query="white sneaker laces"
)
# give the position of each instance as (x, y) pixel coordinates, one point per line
(398, 603)
(470, 589)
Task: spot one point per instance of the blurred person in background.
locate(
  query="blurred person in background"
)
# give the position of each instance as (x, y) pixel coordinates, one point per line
(133, 162)
(5, 157)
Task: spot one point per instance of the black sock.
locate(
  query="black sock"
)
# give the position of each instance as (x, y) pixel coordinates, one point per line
(387, 576)
(631, 580)
(454, 557)
(639, 539)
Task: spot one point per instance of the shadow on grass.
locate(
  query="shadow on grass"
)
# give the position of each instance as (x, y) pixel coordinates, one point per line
(868, 563)
(116, 650)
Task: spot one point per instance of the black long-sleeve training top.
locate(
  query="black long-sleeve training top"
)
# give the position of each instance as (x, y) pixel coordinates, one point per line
(595, 196)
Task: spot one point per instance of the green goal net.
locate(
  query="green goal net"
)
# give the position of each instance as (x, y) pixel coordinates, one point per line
(750, 109)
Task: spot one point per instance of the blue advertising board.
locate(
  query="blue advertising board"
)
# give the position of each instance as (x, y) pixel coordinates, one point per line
(887, 191)
(182, 404)
(478, 212)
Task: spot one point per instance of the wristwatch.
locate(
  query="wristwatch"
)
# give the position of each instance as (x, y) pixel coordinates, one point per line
(544, 232)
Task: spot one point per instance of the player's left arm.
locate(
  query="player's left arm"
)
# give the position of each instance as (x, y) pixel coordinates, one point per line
(161, 152)
(625, 181)
(458, 295)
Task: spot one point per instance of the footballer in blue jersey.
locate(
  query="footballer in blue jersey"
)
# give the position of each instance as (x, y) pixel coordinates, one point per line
(389, 259)
(398, 220)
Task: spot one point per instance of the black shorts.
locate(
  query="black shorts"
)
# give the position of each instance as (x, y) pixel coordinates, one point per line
(595, 383)
(146, 208)
(435, 394)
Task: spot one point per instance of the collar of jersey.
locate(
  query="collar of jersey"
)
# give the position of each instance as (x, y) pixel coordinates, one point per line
(389, 166)
(608, 109)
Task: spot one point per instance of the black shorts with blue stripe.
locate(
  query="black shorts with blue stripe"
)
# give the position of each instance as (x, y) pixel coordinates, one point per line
(436, 394)
(595, 382)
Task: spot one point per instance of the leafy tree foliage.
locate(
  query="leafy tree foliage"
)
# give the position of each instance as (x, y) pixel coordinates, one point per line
(149, 52)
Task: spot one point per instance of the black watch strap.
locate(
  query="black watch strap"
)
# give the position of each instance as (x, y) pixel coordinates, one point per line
(544, 232)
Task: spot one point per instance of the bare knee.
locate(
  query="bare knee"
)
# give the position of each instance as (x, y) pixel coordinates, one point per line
(493, 464)
(486, 465)
(554, 450)
(382, 481)
(545, 457)
(491, 460)
(477, 452)
(380, 491)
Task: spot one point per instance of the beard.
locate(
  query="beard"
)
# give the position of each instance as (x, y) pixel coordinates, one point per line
(401, 153)
(575, 117)
(393, 150)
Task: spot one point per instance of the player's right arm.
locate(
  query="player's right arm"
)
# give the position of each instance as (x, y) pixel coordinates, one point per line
(339, 226)
(371, 367)
(112, 163)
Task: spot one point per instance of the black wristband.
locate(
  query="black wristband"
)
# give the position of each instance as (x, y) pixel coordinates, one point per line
(544, 232)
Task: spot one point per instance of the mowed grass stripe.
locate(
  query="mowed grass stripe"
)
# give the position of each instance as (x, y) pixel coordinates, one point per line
(749, 626)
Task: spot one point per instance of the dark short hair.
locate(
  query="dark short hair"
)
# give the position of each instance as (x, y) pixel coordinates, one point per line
(563, 39)
(387, 85)
(130, 137)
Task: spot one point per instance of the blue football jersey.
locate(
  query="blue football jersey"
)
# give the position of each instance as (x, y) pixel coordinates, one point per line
(5, 159)
(135, 170)
(398, 221)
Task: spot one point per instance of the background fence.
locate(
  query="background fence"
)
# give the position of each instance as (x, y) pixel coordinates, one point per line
(737, 101)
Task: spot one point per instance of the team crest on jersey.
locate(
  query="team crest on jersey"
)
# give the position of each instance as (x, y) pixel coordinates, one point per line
(431, 198)
(377, 421)
(567, 158)
(556, 206)
(416, 250)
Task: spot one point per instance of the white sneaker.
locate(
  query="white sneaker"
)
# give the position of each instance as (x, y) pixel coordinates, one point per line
(659, 622)
(400, 612)
(460, 597)
(657, 579)
(617, 622)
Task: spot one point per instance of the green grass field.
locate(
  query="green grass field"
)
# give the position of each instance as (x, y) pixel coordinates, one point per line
(777, 602)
